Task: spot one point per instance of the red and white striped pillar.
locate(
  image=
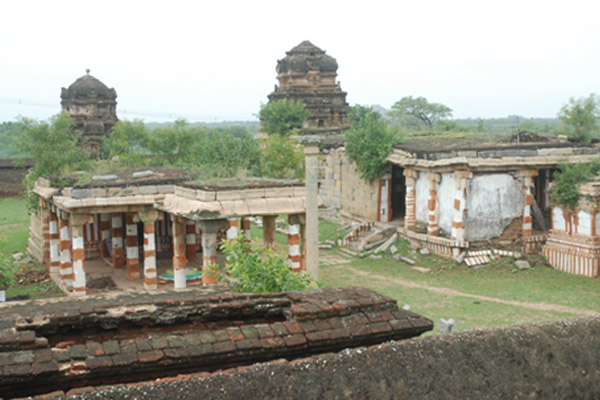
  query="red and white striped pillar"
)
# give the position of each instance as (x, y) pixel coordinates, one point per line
(190, 239)
(54, 244)
(45, 219)
(66, 263)
(132, 247)
(77, 226)
(410, 198)
(246, 227)
(150, 276)
(269, 230)
(302, 221)
(294, 256)
(233, 230)
(209, 251)
(432, 204)
(118, 255)
(104, 233)
(179, 252)
(460, 198)
(527, 176)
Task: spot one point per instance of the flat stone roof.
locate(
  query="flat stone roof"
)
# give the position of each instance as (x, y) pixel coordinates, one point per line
(66, 343)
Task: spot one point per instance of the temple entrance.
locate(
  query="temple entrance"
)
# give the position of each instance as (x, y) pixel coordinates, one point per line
(398, 192)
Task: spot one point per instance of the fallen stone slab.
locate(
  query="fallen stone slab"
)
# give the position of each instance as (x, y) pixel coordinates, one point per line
(386, 245)
(423, 270)
(522, 264)
(404, 259)
(479, 260)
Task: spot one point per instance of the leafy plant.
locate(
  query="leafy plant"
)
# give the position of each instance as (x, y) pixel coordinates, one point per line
(7, 267)
(564, 189)
(282, 116)
(369, 142)
(409, 112)
(125, 142)
(256, 269)
(282, 158)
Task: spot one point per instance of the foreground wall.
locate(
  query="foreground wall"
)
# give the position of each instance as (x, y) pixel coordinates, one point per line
(555, 360)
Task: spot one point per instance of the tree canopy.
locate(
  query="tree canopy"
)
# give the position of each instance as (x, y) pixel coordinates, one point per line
(283, 116)
(580, 117)
(369, 142)
(418, 113)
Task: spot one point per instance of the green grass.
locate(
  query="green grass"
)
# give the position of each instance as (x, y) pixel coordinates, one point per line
(14, 232)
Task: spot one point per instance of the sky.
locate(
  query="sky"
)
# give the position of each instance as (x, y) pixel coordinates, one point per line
(215, 60)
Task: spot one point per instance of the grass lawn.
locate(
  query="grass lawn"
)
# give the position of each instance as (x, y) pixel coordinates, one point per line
(14, 232)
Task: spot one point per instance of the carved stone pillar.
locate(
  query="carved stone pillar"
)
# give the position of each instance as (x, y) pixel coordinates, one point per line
(527, 176)
(460, 198)
(66, 263)
(54, 244)
(132, 244)
(269, 230)
(179, 252)
(311, 152)
(294, 256)
(118, 255)
(410, 199)
(78, 246)
(432, 204)
(190, 240)
(246, 227)
(209, 251)
(104, 233)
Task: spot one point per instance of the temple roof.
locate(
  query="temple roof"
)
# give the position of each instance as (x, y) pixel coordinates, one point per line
(88, 86)
(306, 57)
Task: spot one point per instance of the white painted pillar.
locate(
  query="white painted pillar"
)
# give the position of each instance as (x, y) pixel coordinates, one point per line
(54, 244)
(79, 280)
(66, 263)
(311, 152)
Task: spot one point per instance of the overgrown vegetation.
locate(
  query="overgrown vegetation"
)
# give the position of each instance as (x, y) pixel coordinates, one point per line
(580, 117)
(254, 269)
(564, 189)
(369, 142)
(283, 116)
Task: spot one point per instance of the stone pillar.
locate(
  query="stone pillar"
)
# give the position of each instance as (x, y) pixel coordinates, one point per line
(311, 152)
(190, 239)
(232, 231)
(302, 221)
(132, 247)
(45, 220)
(104, 233)
(179, 252)
(118, 255)
(54, 244)
(269, 230)
(460, 197)
(79, 281)
(149, 218)
(527, 176)
(294, 256)
(66, 263)
(209, 251)
(410, 199)
(246, 227)
(432, 204)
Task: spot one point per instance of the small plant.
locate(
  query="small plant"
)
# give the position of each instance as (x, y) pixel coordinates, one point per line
(7, 270)
(256, 269)
(564, 189)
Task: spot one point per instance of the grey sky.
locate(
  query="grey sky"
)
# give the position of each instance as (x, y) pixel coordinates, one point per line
(215, 60)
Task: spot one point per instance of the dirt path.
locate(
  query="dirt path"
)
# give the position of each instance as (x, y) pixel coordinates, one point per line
(453, 292)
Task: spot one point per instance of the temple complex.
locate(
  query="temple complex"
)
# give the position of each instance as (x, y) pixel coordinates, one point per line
(93, 108)
(308, 75)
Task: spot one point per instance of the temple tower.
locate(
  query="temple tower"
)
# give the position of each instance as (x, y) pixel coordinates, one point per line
(308, 75)
(93, 108)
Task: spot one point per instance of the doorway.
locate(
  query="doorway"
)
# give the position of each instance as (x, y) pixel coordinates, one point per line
(398, 192)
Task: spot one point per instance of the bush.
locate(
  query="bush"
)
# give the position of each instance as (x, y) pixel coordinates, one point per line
(564, 189)
(255, 269)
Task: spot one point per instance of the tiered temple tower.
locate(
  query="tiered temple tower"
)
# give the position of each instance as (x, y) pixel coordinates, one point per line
(308, 75)
(93, 108)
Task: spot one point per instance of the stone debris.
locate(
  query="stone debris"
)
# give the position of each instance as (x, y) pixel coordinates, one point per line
(447, 326)
(386, 245)
(421, 269)
(424, 251)
(522, 264)
(406, 307)
(325, 246)
(376, 256)
(17, 256)
(393, 249)
(143, 174)
(104, 177)
(407, 260)
(479, 260)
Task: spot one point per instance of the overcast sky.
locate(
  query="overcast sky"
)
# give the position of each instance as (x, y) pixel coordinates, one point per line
(215, 60)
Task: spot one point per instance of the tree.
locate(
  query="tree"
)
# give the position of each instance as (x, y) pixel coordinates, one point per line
(418, 113)
(580, 117)
(125, 142)
(281, 158)
(54, 145)
(369, 142)
(174, 145)
(282, 116)
(255, 269)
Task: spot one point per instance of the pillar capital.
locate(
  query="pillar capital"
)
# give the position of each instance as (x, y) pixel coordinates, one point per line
(411, 173)
(434, 177)
(148, 215)
(463, 174)
(81, 219)
(527, 173)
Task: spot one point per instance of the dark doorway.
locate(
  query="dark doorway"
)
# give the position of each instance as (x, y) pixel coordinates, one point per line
(398, 192)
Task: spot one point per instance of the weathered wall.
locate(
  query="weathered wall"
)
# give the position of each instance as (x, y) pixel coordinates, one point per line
(11, 177)
(552, 360)
(35, 241)
(422, 195)
(493, 201)
(446, 194)
(359, 198)
(330, 178)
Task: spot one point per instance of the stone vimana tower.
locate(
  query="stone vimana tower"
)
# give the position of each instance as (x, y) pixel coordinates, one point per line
(93, 108)
(308, 75)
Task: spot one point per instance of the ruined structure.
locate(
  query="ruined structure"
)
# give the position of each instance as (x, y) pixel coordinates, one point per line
(67, 344)
(573, 245)
(308, 75)
(93, 108)
(136, 217)
(453, 195)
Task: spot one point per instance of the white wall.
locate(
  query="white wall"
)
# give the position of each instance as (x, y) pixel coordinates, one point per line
(446, 195)
(422, 195)
(493, 201)
(558, 219)
(584, 226)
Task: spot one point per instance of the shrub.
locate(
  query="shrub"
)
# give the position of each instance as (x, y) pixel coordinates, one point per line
(564, 189)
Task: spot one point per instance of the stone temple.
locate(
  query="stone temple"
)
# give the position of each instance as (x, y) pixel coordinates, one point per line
(93, 108)
(308, 75)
